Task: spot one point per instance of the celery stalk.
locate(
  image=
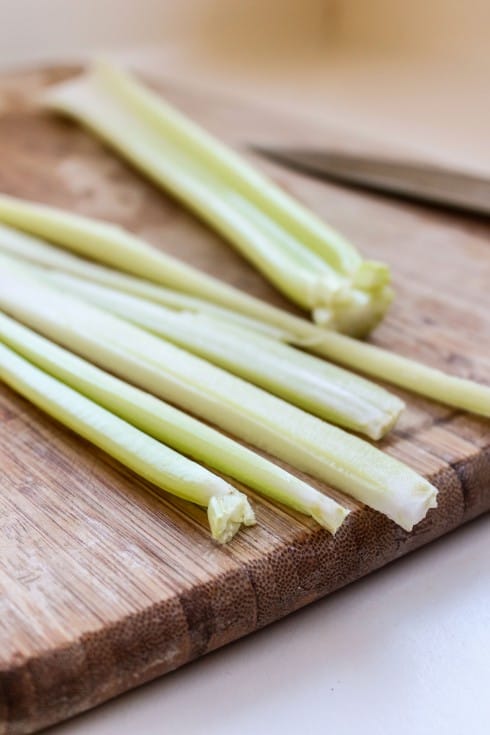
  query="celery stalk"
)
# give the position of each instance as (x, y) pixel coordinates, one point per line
(409, 374)
(115, 247)
(325, 390)
(21, 245)
(112, 245)
(227, 507)
(171, 426)
(240, 408)
(233, 168)
(310, 263)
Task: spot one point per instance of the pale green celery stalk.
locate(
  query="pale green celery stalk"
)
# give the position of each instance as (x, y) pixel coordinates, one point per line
(234, 169)
(320, 388)
(114, 246)
(346, 309)
(326, 390)
(227, 507)
(248, 412)
(172, 427)
(109, 244)
(352, 302)
(197, 189)
(426, 381)
(211, 332)
(21, 245)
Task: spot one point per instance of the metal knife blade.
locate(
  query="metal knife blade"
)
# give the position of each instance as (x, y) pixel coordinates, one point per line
(420, 180)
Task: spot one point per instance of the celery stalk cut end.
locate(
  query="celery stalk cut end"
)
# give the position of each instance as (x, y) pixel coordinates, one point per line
(354, 312)
(416, 506)
(329, 514)
(372, 274)
(226, 513)
(381, 424)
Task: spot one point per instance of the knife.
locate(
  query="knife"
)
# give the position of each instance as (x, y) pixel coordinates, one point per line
(428, 182)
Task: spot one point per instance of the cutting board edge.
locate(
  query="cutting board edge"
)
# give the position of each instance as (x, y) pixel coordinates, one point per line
(20, 678)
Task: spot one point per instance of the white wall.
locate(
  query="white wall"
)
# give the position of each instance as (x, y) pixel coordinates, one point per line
(412, 71)
(48, 29)
(256, 30)
(444, 31)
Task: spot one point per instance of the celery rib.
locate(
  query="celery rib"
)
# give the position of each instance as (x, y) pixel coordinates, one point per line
(115, 247)
(325, 390)
(171, 426)
(21, 245)
(201, 293)
(310, 263)
(227, 507)
(234, 169)
(244, 410)
(409, 374)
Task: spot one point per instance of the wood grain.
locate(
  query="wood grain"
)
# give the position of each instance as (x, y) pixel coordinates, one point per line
(105, 584)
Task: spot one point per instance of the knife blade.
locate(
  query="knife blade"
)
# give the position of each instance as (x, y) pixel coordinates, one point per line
(428, 182)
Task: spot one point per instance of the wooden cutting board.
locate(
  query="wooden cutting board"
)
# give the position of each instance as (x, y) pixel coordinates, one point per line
(104, 585)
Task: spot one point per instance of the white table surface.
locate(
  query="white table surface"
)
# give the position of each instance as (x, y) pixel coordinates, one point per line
(405, 651)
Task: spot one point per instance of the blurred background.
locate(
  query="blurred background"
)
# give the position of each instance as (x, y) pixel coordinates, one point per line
(414, 72)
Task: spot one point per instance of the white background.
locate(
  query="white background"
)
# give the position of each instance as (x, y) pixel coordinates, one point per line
(407, 650)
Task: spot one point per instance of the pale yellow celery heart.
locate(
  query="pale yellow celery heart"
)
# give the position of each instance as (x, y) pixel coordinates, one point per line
(310, 280)
(171, 426)
(244, 410)
(325, 390)
(227, 507)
